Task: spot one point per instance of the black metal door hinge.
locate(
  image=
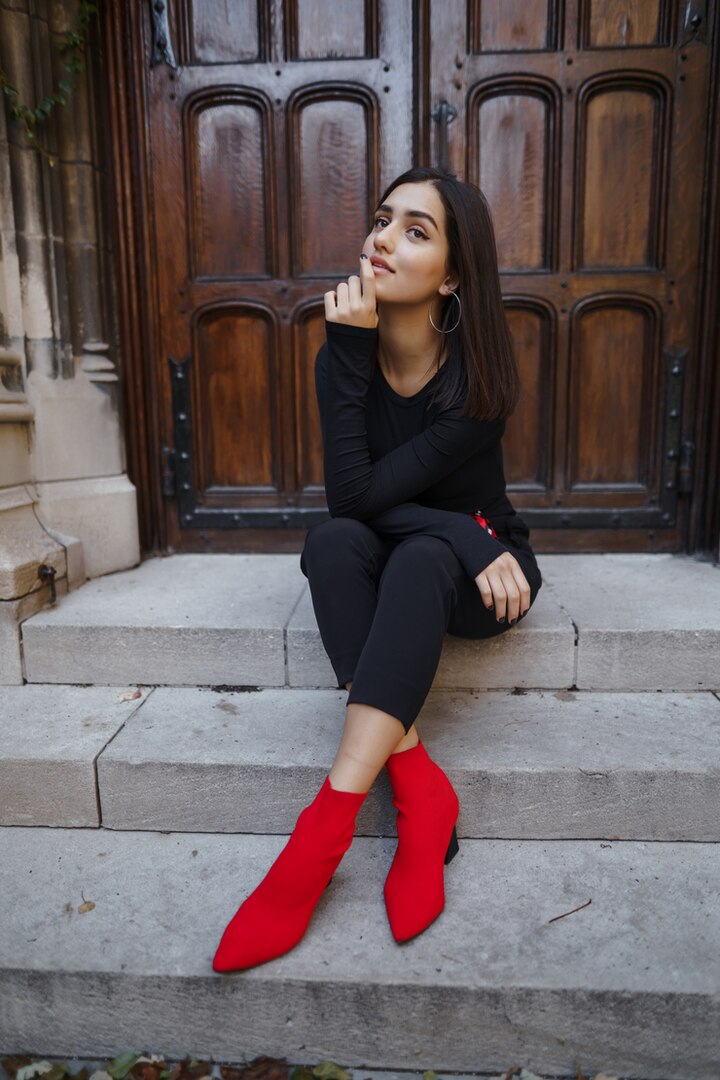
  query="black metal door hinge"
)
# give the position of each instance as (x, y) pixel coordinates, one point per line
(442, 115)
(162, 50)
(695, 23)
(167, 481)
(686, 467)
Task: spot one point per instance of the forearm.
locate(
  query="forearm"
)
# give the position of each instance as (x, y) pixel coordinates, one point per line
(473, 546)
(356, 485)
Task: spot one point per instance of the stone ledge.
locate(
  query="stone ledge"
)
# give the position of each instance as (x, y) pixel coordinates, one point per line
(538, 652)
(50, 739)
(619, 622)
(26, 545)
(549, 765)
(629, 983)
(184, 620)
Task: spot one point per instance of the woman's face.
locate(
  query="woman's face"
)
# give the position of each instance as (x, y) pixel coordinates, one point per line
(408, 246)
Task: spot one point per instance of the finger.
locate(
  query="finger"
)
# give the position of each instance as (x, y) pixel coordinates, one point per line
(330, 305)
(513, 594)
(355, 293)
(342, 298)
(367, 278)
(524, 587)
(498, 596)
(485, 591)
(517, 590)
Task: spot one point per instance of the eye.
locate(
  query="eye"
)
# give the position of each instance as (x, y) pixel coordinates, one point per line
(418, 233)
(380, 222)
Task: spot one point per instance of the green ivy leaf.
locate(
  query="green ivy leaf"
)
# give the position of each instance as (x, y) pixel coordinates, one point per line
(330, 1070)
(121, 1066)
(300, 1072)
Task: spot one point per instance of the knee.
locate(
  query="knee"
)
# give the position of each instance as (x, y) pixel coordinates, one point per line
(330, 542)
(428, 557)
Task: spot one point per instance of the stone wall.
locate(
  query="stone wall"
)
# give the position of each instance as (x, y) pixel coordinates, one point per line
(67, 508)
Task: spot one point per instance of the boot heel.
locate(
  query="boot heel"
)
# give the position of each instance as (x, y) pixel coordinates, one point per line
(453, 847)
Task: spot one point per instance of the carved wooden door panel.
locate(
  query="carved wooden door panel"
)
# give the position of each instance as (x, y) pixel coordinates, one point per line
(584, 122)
(272, 127)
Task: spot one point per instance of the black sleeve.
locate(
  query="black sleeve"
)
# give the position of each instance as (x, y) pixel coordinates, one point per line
(397, 518)
(355, 485)
(474, 547)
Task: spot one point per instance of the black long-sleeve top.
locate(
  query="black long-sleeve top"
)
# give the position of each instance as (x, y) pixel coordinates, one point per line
(402, 464)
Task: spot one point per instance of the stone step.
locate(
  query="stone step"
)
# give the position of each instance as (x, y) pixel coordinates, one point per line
(549, 954)
(600, 622)
(528, 764)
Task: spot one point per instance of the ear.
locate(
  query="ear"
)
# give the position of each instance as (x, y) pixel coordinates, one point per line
(448, 286)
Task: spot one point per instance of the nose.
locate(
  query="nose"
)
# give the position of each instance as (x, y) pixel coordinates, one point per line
(383, 238)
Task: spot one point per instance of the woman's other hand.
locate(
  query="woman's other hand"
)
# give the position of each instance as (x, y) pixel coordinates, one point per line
(353, 302)
(503, 584)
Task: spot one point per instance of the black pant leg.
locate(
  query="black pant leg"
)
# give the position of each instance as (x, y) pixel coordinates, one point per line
(416, 597)
(343, 560)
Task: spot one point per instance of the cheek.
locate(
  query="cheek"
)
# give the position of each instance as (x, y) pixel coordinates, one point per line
(426, 265)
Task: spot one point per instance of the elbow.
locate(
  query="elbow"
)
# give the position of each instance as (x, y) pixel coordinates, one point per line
(346, 508)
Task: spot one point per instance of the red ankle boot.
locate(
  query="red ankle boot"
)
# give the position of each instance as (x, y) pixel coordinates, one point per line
(276, 915)
(427, 813)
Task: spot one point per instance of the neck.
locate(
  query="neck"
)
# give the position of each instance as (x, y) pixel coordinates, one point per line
(408, 347)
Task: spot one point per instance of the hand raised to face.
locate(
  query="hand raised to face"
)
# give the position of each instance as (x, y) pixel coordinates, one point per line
(353, 302)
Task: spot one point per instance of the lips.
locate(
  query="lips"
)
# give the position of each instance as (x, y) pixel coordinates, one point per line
(375, 260)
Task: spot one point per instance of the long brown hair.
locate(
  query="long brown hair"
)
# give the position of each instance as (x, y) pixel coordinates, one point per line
(481, 369)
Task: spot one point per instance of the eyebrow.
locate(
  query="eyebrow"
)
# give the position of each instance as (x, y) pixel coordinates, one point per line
(409, 214)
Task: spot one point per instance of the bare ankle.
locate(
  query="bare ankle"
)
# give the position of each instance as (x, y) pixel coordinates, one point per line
(409, 740)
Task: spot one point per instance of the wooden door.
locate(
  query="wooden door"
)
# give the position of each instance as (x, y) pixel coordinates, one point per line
(584, 122)
(266, 129)
(272, 128)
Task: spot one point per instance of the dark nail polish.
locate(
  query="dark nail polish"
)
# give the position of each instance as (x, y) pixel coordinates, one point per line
(513, 621)
(363, 256)
(501, 619)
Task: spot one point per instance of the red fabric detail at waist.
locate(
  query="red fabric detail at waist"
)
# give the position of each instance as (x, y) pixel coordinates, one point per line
(483, 521)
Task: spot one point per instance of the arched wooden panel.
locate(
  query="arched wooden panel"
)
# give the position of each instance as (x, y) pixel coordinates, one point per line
(228, 154)
(512, 25)
(309, 336)
(527, 443)
(622, 174)
(513, 156)
(325, 29)
(614, 376)
(222, 33)
(234, 399)
(613, 24)
(334, 179)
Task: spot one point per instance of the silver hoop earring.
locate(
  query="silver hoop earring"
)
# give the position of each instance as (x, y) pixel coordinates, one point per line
(458, 318)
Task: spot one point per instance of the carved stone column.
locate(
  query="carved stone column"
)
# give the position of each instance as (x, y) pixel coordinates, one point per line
(65, 500)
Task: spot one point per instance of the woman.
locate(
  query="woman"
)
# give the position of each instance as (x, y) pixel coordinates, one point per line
(414, 385)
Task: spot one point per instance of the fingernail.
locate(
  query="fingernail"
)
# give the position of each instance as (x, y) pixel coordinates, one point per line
(501, 619)
(363, 256)
(491, 608)
(513, 621)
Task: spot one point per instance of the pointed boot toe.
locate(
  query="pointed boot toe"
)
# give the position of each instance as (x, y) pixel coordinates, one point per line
(428, 810)
(274, 918)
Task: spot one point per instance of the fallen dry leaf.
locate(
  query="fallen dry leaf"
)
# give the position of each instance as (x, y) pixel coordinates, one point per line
(87, 906)
(130, 695)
